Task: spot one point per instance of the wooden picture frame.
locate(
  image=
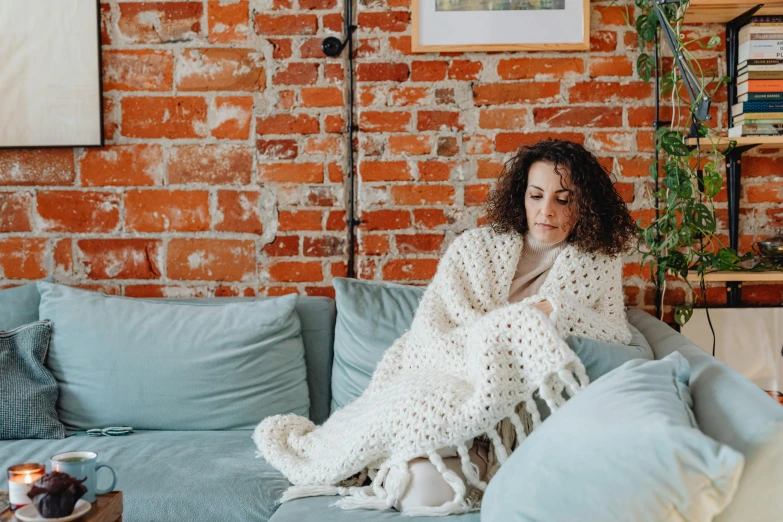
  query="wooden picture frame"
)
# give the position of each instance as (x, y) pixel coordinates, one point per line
(51, 91)
(477, 30)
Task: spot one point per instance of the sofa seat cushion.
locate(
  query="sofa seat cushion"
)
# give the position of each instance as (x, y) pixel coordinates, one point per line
(321, 509)
(174, 475)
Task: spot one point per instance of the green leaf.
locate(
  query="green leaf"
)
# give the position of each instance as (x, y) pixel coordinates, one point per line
(667, 82)
(703, 218)
(713, 182)
(645, 66)
(673, 144)
(728, 259)
(646, 27)
(654, 170)
(713, 41)
(682, 314)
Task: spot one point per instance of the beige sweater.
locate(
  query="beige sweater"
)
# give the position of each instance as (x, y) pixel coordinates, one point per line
(534, 264)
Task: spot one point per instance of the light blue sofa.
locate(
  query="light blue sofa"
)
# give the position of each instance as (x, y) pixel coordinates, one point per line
(214, 475)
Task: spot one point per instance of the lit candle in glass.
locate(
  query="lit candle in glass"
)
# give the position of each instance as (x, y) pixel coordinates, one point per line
(20, 480)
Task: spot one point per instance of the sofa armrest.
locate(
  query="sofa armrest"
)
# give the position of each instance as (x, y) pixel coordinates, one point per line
(733, 410)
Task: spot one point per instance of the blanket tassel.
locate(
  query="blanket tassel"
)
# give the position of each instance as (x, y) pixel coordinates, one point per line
(457, 505)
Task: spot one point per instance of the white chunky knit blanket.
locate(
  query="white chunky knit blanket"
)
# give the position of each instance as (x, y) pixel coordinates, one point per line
(469, 359)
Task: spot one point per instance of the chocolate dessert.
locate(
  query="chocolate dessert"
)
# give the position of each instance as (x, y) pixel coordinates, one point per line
(55, 494)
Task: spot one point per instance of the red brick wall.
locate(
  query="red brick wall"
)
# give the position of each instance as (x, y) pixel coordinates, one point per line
(224, 170)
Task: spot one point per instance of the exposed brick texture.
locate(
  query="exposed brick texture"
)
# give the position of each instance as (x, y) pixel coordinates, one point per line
(225, 166)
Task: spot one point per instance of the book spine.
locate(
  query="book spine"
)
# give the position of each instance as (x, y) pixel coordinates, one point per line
(760, 86)
(760, 122)
(770, 106)
(760, 75)
(746, 68)
(762, 115)
(760, 34)
(736, 132)
(760, 49)
(761, 96)
(765, 19)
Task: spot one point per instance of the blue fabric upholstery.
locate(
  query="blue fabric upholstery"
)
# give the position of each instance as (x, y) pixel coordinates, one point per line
(194, 476)
(320, 509)
(627, 448)
(120, 361)
(19, 305)
(317, 315)
(732, 410)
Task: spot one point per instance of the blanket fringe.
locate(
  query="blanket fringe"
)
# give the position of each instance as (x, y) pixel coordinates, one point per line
(457, 505)
(318, 490)
(470, 470)
(382, 496)
(532, 409)
(500, 449)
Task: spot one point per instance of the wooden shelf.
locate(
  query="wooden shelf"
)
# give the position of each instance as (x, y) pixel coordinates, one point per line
(768, 141)
(722, 11)
(756, 277)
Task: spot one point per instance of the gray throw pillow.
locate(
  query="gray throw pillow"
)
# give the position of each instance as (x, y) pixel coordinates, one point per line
(371, 315)
(28, 392)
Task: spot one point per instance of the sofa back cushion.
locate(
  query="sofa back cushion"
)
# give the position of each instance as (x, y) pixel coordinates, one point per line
(371, 315)
(173, 366)
(19, 305)
(317, 316)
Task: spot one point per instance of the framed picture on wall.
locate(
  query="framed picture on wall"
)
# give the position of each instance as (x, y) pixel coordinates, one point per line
(500, 25)
(50, 74)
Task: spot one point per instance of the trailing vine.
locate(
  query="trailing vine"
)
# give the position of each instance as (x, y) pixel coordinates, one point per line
(684, 239)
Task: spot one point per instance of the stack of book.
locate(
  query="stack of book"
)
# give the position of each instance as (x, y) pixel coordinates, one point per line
(759, 111)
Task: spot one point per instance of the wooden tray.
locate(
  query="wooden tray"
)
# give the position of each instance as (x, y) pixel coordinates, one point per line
(106, 508)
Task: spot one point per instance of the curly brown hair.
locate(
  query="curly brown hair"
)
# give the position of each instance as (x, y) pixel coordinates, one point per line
(602, 222)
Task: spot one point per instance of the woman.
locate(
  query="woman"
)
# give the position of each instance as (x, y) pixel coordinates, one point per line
(553, 193)
(485, 348)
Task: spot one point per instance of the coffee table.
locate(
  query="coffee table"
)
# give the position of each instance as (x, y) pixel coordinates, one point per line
(106, 508)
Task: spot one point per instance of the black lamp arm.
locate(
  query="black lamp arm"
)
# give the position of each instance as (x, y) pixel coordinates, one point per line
(703, 102)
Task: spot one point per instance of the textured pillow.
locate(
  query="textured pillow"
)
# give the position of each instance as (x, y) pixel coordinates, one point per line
(626, 448)
(28, 392)
(173, 366)
(19, 305)
(371, 315)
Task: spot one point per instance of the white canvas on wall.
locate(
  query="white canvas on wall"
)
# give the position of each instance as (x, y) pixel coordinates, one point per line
(748, 340)
(50, 83)
(500, 25)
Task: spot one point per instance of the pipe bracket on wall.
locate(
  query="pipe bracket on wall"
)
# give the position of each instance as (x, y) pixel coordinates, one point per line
(332, 46)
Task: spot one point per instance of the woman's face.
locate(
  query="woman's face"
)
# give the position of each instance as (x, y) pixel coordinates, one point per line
(546, 201)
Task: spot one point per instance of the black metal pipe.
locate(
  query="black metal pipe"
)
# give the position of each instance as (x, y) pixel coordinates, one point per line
(658, 293)
(332, 46)
(352, 221)
(734, 157)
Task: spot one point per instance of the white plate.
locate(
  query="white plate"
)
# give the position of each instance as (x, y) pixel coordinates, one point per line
(30, 514)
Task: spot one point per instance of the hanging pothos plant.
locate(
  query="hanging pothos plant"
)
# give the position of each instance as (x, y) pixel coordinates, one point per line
(683, 238)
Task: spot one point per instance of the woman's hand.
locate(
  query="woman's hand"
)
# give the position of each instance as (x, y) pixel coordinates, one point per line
(545, 306)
